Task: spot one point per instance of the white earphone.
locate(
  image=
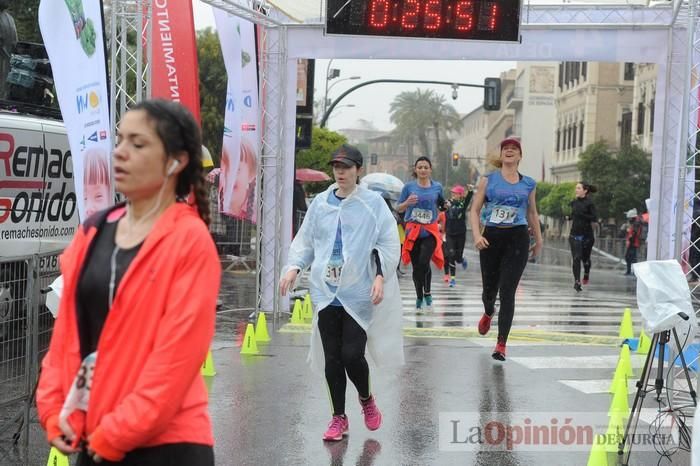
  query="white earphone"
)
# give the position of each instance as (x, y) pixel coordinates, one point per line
(172, 167)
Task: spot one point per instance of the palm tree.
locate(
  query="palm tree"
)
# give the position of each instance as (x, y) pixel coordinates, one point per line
(411, 113)
(415, 113)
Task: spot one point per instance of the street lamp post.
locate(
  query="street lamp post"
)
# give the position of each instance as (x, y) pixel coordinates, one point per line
(330, 88)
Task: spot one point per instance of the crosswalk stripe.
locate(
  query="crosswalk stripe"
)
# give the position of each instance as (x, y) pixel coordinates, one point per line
(576, 362)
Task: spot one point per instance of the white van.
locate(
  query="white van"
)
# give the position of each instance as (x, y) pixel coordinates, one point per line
(38, 206)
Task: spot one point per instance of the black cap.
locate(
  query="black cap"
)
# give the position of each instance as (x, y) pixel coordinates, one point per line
(347, 155)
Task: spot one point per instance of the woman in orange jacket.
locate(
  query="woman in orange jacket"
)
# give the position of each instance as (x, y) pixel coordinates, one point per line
(121, 379)
(419, 202)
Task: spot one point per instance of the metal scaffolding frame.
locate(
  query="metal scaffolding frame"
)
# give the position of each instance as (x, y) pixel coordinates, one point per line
(129, 59)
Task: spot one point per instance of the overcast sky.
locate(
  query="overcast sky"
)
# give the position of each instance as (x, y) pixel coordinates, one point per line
(372, 102)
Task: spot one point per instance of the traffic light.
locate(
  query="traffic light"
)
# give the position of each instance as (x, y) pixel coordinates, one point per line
(455, 159)
(492, 94)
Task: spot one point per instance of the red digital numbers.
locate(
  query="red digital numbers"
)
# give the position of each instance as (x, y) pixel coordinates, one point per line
(379, 13)
(433, 15)
(409, 18)
(492, 18)
(464, 15)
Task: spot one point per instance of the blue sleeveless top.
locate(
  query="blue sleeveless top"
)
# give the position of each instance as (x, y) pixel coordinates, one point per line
(506, 203)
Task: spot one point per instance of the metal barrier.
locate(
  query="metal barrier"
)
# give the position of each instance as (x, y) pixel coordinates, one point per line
(236, 243)
(25, 332)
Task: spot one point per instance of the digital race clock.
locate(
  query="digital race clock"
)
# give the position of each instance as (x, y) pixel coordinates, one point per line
(443, 19)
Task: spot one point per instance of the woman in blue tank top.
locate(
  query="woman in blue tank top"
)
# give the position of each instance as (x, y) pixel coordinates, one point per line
(419, 202)
(508, 202)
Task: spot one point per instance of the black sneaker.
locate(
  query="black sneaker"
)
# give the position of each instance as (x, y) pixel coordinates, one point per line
(577, 286)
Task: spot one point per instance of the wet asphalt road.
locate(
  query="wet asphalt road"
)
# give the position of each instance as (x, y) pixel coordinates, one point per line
(271, 409)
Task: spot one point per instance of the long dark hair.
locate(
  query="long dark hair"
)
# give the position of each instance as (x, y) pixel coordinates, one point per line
(422, 158)
(179, 132)
(590, 189)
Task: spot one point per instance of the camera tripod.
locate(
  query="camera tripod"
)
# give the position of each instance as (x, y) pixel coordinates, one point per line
(643, 388)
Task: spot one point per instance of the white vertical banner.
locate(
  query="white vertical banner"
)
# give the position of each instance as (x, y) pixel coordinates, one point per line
(73, 36)
(250, 136)
(228, 28)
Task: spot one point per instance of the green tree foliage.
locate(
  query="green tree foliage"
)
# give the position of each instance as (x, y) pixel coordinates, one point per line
(323, 143)
(212, 90)
(26, 16)
(543, 190)
(557, 203)
(622, 178)
(421, 113)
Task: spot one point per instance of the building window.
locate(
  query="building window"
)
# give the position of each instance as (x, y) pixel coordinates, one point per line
(561, 76)
(584, 70)
(651, 116)
(577, 71)
(573, 139)
(373, 159)
(629, 72)
(626, 129)
(569, 142)
(580, 134)
(640, 118)
(558, 139)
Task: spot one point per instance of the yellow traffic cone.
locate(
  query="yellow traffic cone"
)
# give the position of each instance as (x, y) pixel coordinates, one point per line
(626, 327)
(307, 313)
(598, 455)
(261, 334)
(616, 430)
(620, 403)
(626, 359)
(620, 378)
(296, 313)
(56, 458)
(644, 343)
(249, 346)
(208, 366)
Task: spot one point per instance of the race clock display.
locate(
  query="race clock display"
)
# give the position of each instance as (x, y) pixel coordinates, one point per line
(497, 20)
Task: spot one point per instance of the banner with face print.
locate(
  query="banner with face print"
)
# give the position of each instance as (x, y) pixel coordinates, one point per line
(239, 158)
(73, 36)
(228, 29)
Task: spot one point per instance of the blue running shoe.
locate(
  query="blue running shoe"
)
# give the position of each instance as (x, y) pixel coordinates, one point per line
(419, 303)
(428, 300)
(464, 263)
(453, 283)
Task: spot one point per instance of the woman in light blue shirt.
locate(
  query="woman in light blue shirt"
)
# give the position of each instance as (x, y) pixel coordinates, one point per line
(508, 201)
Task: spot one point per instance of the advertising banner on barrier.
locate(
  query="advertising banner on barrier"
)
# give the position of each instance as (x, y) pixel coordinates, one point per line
(174, 67)
(239, 158)
(73, 36)
(230, 39)
(250, 145)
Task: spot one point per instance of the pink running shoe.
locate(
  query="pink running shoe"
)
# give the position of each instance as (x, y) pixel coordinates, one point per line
(338, 427)
(373, 417)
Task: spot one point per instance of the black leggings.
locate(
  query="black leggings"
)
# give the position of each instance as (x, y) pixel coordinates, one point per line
(421, 254)
(162, 455)
(502, 265)
(344, 349)
(581, 252)
(454, 249)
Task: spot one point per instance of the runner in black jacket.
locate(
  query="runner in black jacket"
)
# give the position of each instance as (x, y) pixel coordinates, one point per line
(581, 238)
(456, 231)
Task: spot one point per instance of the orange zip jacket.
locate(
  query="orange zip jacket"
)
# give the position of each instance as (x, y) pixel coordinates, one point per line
(147, 389)
(412, 231)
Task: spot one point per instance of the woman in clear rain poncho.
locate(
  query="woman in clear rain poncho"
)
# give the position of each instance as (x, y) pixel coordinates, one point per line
(349, 240)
